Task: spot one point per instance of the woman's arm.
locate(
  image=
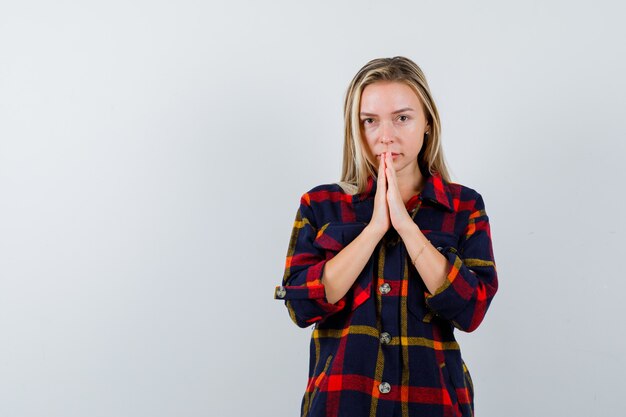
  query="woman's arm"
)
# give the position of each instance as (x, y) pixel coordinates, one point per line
(342, 270)
(430, 263)
(312, 290)
(311, 247)
(469, 280)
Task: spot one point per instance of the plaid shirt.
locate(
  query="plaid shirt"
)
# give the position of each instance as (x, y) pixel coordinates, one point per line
(387, 348)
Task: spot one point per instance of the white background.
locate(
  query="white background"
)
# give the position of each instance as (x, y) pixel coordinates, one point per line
(152, 157)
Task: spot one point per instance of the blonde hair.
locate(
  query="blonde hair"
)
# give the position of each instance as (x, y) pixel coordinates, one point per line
(358, 164)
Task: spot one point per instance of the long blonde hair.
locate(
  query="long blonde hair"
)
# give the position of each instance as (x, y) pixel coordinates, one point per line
(358, 164)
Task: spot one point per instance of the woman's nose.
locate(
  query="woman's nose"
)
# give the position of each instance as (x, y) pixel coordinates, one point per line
(386, 132)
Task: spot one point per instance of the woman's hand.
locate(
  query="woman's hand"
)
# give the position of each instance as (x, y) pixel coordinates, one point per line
(400, 218)
(380, 217)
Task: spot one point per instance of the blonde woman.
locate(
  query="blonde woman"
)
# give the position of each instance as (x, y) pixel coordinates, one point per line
(389, 261)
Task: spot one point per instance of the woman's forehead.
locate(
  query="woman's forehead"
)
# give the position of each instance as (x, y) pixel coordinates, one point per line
(391, 97)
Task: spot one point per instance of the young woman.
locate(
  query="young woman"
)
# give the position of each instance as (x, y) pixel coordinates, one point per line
(387, 262)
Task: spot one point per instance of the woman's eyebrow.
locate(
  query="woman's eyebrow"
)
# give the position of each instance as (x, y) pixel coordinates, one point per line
(394, 112)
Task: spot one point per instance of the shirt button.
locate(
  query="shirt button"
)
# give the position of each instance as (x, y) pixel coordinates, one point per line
(384, 388)
(385, 288)
(385, 338)
(439, 248)
(280, 292)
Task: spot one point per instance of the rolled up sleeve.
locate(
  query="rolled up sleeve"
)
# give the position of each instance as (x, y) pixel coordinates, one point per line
(302, 288)
(471, 279)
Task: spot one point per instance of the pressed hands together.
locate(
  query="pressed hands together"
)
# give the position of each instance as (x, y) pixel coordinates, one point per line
(389, 210)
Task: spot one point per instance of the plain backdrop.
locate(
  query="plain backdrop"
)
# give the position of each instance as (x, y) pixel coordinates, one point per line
(152, 157)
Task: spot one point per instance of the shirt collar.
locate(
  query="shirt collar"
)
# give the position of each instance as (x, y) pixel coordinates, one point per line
(435, 191)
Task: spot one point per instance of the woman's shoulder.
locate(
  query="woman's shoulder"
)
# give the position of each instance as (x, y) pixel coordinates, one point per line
(327, 197)
(464, 194)
(461, 188)
(334, 187)
(347, 187)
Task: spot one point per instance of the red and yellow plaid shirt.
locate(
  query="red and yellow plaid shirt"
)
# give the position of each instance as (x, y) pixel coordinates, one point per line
(387, 348)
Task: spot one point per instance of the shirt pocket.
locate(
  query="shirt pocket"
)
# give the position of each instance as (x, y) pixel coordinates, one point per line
(469, 384)
(319, 384)
(459, 385)
(332, 237)
(450, 388)
(442, 240)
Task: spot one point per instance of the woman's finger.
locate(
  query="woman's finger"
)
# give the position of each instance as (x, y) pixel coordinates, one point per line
(381, 173)
(389, 171)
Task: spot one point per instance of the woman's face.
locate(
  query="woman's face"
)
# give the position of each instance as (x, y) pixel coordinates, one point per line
(393, 120)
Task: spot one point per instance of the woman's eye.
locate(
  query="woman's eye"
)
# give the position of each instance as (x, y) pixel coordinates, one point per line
(403, 118)
(367, 121)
